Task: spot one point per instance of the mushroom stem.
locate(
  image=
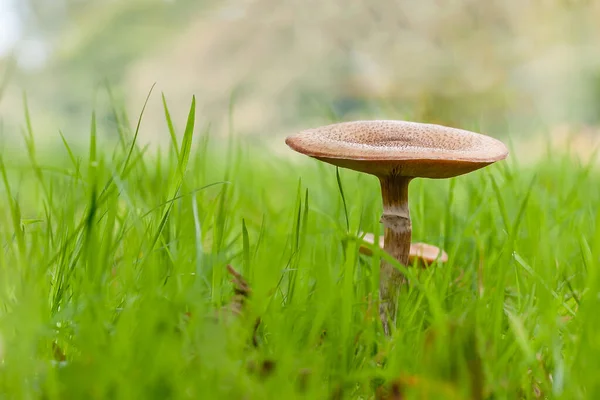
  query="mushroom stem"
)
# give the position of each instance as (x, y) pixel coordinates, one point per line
(397, 236)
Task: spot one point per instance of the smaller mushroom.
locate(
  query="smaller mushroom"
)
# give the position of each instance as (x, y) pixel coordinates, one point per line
(420, 253)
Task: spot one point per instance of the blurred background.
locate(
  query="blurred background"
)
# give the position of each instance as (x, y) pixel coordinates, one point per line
(525, 69)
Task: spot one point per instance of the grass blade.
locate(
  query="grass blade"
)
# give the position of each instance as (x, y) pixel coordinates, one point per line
(245, 247)
(170, 126)
(341, 189)
(137, 131)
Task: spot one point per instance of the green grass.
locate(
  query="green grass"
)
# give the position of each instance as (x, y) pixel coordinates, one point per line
(114, 261)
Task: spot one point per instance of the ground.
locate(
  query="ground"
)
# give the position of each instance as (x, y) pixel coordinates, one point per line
(114, 277)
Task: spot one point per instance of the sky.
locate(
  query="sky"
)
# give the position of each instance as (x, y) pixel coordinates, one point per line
(9, 26)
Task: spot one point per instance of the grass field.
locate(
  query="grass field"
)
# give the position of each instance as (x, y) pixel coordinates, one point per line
(114, 282)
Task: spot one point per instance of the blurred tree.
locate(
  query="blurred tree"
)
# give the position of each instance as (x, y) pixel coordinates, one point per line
(73, 47)
(43, 17)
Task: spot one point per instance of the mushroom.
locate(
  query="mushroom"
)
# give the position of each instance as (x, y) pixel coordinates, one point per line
(397, 152)
(420, 253)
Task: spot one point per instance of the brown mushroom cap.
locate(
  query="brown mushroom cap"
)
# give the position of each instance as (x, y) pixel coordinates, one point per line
(419, 252)
(400, 148)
